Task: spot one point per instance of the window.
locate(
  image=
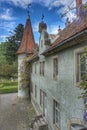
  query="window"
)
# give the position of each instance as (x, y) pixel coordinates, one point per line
(41, 43)
(35, 91)
(81, 67)
(43, 102)
(35, 68)
(42, 67)
(55, 68)
(56, 114)
(41, 98)
(31, 87)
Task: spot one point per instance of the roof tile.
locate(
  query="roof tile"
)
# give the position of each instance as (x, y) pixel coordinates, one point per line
(28, 44)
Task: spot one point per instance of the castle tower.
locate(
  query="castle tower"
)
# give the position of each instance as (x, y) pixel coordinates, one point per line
(26, 48)
(44, 37)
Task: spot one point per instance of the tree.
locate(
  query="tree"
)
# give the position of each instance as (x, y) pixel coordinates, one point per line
(8, 58)
(19, 32)
(12, 44)
(10, 50)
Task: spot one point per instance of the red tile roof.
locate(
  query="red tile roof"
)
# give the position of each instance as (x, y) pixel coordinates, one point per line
(28, 44)
(74, 28)
(52, 36)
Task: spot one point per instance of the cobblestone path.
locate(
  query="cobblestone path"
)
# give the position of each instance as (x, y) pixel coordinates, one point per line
(15, 113)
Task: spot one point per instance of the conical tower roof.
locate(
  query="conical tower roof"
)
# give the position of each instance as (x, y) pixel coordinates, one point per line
(28, 44)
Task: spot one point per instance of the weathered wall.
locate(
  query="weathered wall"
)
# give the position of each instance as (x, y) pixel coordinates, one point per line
(63, 90)
(23, 91)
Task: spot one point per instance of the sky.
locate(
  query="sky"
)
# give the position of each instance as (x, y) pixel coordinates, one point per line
(14, 12)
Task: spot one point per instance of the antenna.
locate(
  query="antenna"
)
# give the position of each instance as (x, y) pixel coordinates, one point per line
(28, 9)
(28, 5)
(42, 17)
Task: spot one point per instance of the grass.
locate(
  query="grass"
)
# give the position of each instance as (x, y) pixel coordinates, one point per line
(8, 87)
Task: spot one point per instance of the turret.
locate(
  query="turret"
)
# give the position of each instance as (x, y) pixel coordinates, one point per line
(26, 48)
(44, 37)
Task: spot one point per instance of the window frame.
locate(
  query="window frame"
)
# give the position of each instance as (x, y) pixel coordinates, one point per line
(35, 91)
(41, 98)
(55, 69)
(41, 43)
(77, 75)
(42, 68)
(56, 110)
(35, 68)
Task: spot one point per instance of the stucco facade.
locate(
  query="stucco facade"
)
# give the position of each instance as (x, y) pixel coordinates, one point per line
(63, 89)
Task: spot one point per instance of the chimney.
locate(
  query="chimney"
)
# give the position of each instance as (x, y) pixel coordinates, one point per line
(78, 3)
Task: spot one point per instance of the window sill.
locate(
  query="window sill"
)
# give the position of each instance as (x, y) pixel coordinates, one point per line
(55, 78)
(55, 127)
(78, 84)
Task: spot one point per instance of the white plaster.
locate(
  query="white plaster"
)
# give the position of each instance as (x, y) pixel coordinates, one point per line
(22, 91)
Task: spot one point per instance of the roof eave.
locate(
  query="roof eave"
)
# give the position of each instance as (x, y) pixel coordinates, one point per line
(33, 59)
(62, 45)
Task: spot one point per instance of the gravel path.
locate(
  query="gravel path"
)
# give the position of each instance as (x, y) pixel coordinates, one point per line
(15, 113)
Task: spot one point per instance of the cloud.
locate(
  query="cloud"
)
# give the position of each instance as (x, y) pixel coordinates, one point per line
(62, 6)
(52, 29)
(7, 15)
(35, 27)
(3, 38)
(8, 26)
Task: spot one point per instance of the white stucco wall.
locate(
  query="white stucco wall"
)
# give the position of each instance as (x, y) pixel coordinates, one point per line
(23, 92)
(63, 90)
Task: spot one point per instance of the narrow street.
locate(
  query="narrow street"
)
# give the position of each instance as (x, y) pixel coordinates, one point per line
(15, 113)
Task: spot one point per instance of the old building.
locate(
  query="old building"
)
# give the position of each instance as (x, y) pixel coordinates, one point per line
(57, 72)
(26, 48)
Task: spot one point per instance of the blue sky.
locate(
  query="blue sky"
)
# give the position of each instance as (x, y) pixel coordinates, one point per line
(13, 12)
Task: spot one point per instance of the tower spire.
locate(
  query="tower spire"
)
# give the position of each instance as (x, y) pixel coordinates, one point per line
(28, 9)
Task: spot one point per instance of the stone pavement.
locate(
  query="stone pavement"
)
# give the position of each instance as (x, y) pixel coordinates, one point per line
(15, 113)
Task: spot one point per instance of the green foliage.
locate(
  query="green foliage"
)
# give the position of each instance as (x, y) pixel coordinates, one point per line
(8, 71)
(8, 57)
(83, 83)
(25, 74)
(8, 87)
(12, 44)
(19, 32)
(10, 52)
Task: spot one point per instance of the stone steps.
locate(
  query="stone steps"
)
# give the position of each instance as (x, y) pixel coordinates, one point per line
(39, 123)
